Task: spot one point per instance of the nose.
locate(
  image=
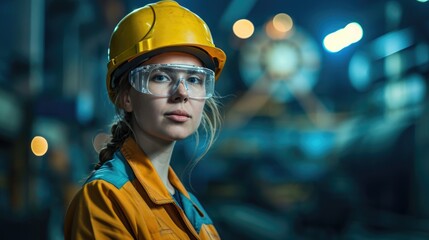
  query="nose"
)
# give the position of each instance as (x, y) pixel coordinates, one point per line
(180, 94)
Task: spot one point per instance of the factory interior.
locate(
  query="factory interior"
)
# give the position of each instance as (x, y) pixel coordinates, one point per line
(325, 111)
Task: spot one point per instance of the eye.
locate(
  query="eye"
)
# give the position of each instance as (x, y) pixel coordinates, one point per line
(160, 78)
(195, 80)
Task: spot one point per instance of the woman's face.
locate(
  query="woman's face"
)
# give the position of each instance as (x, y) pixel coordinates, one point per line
(165, 118)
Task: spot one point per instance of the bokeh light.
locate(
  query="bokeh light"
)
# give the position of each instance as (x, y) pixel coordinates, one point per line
(100, 141)
(282, 60)
(272, 32)
(282, 22)
(243, 28)
(279, 27)
(409, 92)
(342, 38)
(39, 146)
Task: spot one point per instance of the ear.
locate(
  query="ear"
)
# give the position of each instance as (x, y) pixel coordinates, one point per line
(126, 102)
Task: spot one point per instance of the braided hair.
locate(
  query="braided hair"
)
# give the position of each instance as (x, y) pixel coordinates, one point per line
(121, 128)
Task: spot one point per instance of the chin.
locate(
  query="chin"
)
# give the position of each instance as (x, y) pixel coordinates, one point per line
(177, 135)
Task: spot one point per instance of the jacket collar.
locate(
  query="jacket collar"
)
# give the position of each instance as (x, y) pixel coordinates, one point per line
(146, 173)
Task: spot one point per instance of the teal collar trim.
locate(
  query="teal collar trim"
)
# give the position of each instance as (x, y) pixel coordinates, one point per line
(194, 211)
(115, 171)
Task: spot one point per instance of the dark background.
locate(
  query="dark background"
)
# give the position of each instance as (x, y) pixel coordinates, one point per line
(331, 162)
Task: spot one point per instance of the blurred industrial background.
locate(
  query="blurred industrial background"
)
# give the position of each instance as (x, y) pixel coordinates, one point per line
(325, 104)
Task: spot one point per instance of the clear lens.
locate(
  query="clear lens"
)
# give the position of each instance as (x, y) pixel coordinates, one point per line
(163, 80)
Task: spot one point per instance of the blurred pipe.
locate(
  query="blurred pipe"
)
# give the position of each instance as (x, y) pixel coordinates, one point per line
(37, 46)
(71, 58)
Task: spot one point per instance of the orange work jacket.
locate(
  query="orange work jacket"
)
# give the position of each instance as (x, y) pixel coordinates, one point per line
(126, 199)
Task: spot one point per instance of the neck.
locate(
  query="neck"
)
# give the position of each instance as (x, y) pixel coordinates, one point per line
(159, 153)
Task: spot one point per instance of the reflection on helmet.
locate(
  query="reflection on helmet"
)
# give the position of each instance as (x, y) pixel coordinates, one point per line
(156, 28)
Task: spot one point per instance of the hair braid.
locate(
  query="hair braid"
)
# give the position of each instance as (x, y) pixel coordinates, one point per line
(120, 130)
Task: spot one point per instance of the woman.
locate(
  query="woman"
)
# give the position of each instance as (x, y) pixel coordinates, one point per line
(161, 74)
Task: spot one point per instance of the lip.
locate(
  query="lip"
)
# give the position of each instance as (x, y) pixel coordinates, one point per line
(178, 116)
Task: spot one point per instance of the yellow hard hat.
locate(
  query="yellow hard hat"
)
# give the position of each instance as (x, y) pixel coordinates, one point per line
(156, 28)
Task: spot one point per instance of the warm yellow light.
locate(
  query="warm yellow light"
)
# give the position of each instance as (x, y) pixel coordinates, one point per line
(282, 22)
(272, 32)
(39, 146)
(243, 28)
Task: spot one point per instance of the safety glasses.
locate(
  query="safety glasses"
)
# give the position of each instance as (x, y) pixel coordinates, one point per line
(163, 80)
